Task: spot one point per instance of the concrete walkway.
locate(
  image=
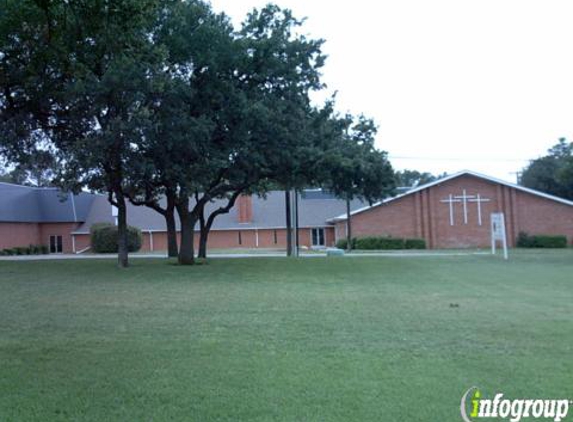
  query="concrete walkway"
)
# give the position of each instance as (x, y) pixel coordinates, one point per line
(242, 255)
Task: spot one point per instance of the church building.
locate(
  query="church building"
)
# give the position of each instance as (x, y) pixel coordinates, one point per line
(455, 212)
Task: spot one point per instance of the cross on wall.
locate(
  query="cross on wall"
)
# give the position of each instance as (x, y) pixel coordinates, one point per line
(464, 199)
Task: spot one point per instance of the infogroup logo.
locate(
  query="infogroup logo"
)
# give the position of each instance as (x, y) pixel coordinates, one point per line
(474, 406)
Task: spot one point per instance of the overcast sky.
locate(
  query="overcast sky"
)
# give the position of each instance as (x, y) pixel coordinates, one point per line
(452, 84)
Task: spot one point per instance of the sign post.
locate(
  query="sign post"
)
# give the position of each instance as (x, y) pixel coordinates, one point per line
(498, 233)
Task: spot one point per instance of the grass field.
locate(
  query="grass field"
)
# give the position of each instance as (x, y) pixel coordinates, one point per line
(268, 339)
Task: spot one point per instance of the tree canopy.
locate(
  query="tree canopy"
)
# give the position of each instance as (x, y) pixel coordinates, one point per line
(552, 173)
(153, 99)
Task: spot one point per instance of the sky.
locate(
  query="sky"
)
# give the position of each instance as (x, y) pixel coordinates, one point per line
(452, 84)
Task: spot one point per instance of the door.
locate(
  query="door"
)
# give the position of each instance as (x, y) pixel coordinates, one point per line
(317, 237)
(56, 244)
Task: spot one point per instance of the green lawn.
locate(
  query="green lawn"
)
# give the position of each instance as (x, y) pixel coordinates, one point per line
(264, 339)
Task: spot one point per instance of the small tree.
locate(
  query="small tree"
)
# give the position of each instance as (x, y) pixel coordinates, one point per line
(354, 168)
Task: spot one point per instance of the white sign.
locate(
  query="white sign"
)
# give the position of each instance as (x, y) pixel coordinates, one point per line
(498, 233)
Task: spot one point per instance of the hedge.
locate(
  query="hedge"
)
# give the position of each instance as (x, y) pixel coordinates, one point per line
(415, 244)
(372, 242)
(382, 243)
(25, 250)
(525, 240)
(343, 243)
(104, 238)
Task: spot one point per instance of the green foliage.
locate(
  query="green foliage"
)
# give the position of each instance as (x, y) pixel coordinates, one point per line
(343, 243)
(379, 243)
(553, 173)
(415, 244)
(383, 243)
(525, 240)
(104, 238)
(349, 165)
(413, 178)
(25, 250)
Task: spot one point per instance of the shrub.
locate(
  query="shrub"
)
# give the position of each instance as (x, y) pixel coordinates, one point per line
(19, 250)
(541, 241)
(25, 250)
(545, 241)
(343, 244)
(104, 238)
(382, 243)
(524, 240)
(415, 244)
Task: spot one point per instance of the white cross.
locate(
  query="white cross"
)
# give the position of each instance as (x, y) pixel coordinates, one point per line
(451, 201)
(464, 198)
(478, 199)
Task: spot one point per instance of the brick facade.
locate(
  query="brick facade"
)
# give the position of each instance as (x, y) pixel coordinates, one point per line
(25, 234)
(426, 214)
(231, 239)
(451, 213)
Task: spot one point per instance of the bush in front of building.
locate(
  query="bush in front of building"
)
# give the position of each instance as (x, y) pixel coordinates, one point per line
(343, 243)
(104, 238)
(525, 240)
(379, 243)
(25, 250)
(382, 243)
(415, 244)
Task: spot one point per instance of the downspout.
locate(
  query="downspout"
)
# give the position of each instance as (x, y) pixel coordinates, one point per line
(74, 208)
(73, 201)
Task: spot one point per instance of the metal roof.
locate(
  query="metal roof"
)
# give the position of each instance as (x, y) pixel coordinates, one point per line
(268, 213)
(24, 204)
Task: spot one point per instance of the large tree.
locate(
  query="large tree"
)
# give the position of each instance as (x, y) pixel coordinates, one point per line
(553, 172)
(81, 77)
(240, 113)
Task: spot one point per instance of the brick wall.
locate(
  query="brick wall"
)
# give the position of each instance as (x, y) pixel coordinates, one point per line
(229, 239)
(19, 234)
(24, 234)
(426, 214)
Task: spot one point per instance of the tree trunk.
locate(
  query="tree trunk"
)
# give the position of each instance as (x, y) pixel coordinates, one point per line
(172, 248)
(188, 220)
(122, 251)
(348, 227)
(205, 225)
(288, 224)
(203, 235)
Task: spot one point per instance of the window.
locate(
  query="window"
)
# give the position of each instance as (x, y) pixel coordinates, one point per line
(317, 237)
(56, 244)
(240, 239)
(275, 237)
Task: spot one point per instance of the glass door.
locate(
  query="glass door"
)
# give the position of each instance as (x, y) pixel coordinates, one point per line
(318, 237)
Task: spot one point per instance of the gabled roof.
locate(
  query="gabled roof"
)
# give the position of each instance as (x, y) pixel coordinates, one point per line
(315, 208)
(25, 204)
(450, 177)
